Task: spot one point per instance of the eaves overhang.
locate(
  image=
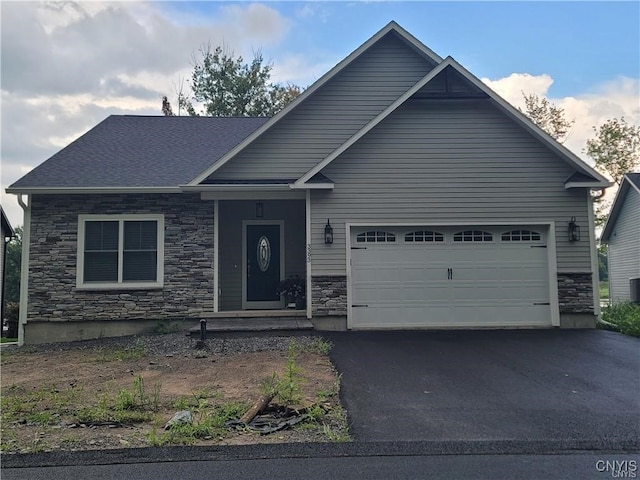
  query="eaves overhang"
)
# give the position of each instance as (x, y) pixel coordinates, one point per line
(88, 190)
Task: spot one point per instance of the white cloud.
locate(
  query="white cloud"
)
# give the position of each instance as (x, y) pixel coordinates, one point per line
(615, 98)
(68, 65)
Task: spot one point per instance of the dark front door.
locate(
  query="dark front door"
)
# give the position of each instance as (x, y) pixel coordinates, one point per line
(263, 266)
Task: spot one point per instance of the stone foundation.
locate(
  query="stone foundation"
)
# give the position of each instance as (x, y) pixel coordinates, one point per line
(329, 295)
(188, 264)
(575, 293)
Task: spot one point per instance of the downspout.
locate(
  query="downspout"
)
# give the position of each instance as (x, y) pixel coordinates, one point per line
(24, 267)
(595, 270)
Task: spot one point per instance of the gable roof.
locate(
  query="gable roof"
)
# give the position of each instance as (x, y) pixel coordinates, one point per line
(7, 229)
(629, 181)
(591, 178)
(391, 28)
(138, 152)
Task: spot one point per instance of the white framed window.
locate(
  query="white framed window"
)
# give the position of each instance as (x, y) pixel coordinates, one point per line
(521, 236)
(376, 236)
(120, 251)
(420, 236)
(472, 236)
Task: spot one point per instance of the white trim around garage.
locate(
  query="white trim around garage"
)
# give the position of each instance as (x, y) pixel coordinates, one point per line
(551, 255)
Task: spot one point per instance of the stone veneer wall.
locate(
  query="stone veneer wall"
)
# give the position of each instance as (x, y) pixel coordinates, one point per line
(575, 293)
(329, 295)
(188, 261)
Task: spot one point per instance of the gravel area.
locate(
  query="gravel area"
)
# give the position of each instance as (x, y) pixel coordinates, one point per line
(179, 344)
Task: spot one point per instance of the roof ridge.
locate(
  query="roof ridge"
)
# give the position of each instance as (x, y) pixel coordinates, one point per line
(390, 27)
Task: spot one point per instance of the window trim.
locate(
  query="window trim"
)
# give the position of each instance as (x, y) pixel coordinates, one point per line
(376, 237)
(522, 232)
(474, 233)
(119, 284)
(425, 236)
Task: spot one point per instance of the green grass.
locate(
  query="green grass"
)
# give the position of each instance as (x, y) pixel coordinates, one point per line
(625, 317)
(8, 340)
(132, 353)
(604, 290)
(209, 422)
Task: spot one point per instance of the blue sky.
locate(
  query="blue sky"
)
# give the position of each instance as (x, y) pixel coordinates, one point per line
(67, 66)
(582, 43)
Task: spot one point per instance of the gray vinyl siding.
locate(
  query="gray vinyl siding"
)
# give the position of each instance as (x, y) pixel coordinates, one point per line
(624, 248)
(447, 161)
(332, 114)
(231, 214)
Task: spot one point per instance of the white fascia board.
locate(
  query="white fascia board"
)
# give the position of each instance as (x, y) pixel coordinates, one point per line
(593, 184)
(391, 26)
(312, 186)
(88, 190)
(301, 182)
(236, 188)
(250, 195)
(522, 119)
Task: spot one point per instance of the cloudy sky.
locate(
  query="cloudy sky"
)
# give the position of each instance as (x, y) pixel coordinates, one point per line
(65, 66)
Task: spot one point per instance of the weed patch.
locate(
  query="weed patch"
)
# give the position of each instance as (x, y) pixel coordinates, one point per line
(624, 316)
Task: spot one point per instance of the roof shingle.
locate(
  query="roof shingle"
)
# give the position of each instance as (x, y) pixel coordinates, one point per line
(141, 151)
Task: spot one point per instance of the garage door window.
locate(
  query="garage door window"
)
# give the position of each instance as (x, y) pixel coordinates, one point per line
(376, 237)
(424, 236)
(520, 236)
(472, 236)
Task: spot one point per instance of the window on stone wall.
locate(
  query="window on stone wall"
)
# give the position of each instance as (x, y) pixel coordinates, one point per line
(120, 251)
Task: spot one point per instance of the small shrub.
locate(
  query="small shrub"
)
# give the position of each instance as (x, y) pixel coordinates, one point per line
(166, 326)
(625, 317)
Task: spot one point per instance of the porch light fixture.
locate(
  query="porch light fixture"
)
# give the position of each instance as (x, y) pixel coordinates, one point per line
(259, 210)
(574, 230)
(328, 233)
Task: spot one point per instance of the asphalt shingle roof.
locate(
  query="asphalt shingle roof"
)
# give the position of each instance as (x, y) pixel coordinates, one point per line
(634, 178)
(142, 151)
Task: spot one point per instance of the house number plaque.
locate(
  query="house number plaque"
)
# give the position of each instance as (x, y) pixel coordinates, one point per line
(264, 253)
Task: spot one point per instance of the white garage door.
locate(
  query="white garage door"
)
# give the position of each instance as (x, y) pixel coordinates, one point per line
(449, 277)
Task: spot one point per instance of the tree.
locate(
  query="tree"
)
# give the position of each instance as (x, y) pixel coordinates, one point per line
(547, 116)
(225, 86)
(12, 268)
(167, 111)
(615, 148)
(615, 151)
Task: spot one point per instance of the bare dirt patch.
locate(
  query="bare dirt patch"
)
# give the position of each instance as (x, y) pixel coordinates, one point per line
(118, 393)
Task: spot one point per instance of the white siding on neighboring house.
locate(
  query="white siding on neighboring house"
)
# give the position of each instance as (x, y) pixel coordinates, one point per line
(624, 248)
(332, 114)
(447, 162)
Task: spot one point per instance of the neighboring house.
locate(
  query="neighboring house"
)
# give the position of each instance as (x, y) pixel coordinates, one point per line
(7, 234)
(402, 190)
(622, 235)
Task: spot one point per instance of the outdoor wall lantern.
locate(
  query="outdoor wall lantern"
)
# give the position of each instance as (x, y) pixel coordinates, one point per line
(328, 233)
(574, 230)
(259, 210)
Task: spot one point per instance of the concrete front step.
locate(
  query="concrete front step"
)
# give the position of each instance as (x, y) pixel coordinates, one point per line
(254, 324)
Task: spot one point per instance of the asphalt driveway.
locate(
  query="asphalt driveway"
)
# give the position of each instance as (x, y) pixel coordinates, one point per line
(524, 385)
